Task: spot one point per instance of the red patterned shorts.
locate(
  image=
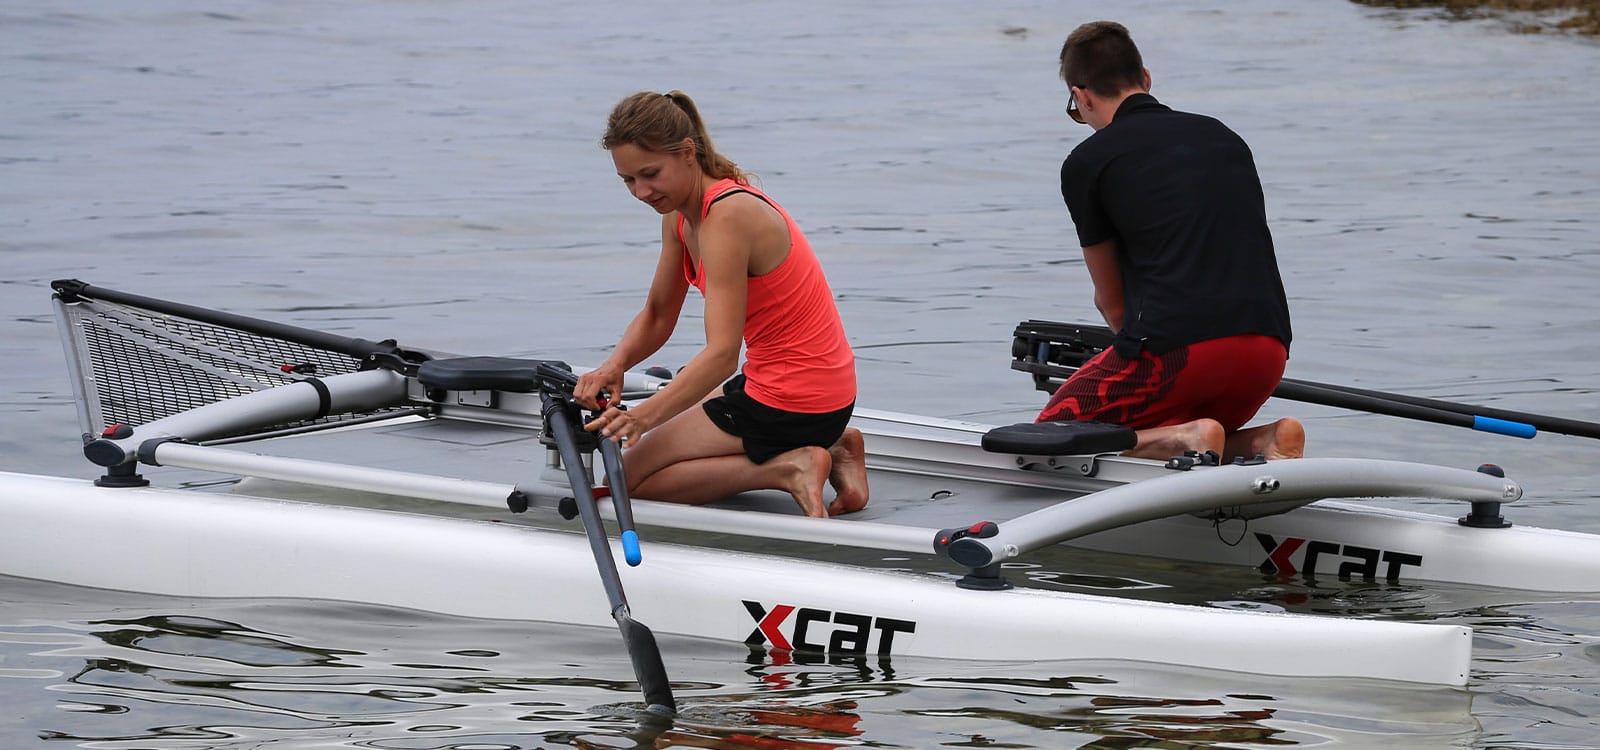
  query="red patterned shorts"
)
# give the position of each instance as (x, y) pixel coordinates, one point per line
(1225, 379)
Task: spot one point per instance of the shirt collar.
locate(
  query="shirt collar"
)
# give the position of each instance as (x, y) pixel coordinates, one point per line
(1138, 102)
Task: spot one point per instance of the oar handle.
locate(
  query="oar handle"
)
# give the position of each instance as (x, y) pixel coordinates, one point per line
(630, 548)
(1503, 426)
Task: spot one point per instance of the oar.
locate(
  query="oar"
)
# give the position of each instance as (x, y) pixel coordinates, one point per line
(560, 417)
(1560, 425)
(1084, 341)
(1317, 393)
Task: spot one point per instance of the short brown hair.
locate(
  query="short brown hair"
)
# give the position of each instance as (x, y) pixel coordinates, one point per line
(1101, 56)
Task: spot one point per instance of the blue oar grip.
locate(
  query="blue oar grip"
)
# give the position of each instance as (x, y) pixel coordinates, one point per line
(630, 547)
(1503, 427)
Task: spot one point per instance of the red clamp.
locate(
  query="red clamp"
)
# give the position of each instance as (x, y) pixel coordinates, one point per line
(980, 530)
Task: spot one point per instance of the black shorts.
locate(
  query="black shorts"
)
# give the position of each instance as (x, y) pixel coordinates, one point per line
(766, 431)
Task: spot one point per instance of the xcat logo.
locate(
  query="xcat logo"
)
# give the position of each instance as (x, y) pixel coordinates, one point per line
(1363, 562)
(790, 628)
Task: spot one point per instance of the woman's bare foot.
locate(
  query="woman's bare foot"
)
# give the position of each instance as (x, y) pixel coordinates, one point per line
(805, 474)
(849, 473)
(1199, 436)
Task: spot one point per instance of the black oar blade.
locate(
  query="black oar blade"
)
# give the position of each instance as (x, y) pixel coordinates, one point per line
(647, 665)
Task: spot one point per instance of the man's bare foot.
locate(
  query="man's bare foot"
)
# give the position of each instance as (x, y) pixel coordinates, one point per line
(849, 473)
(1199, 436)
(806, 473)
(1288, 439)
(1285, 438)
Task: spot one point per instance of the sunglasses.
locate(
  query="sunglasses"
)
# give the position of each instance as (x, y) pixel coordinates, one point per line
(1072, 107)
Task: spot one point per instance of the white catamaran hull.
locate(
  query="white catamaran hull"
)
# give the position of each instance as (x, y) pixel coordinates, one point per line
(1350, 541)
(187, 543)
(320, 422)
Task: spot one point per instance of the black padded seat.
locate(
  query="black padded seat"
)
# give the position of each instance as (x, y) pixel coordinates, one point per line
(485, 373)
(1059, 439)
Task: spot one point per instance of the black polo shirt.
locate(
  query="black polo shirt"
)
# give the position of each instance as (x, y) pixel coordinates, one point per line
(1180, 195)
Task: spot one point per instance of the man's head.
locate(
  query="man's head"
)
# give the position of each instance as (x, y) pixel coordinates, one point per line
(1101, 56)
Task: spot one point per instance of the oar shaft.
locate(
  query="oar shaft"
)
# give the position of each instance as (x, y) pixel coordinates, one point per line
(1548, 424)
(621, 503)
(1316, 393)
(572, 461)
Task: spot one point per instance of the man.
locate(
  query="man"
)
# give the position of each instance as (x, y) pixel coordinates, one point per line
(1170, 214)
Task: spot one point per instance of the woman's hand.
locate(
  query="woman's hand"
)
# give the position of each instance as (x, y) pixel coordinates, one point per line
(625, 427)
(606, 379)
(600, 390)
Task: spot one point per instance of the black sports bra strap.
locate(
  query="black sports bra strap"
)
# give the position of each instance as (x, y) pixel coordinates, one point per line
(733, 191)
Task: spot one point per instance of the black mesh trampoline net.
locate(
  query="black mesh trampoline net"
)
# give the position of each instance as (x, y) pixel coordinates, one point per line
(138, 366)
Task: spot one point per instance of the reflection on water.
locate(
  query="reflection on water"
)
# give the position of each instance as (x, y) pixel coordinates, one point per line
(221, 674)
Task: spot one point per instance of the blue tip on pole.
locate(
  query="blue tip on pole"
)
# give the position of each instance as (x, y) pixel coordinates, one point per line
(630, 547)
(1503, 427)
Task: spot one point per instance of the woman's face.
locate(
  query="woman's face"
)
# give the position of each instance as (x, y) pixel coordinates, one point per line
(665, 181)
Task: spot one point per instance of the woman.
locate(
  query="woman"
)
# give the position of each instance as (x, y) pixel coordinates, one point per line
(783, 422)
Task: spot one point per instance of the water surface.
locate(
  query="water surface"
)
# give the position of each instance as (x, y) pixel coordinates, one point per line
(430, 171)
